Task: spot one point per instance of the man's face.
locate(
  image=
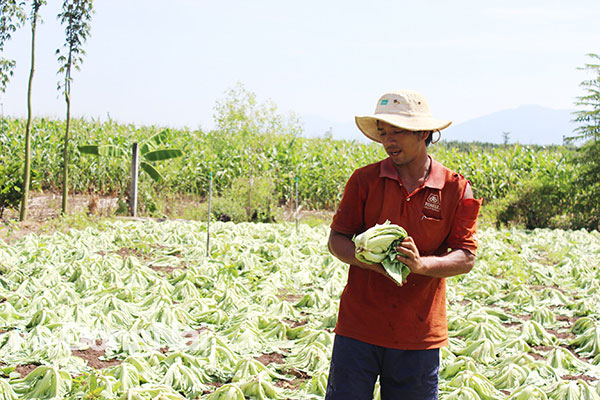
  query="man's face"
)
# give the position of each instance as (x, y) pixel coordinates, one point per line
(402, 146)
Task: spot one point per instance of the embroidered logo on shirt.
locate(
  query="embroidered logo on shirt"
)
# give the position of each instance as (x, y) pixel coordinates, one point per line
(433, 202)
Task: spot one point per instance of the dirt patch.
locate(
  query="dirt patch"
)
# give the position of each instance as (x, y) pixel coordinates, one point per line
(92, 358)
(25, 370)
(543, 348)
(283, 294)
(125, 252)
(295, 324)
(564, 318)
(543, 287)
(293, 298)
(269, 358)
(294, 384)
(561, 334)
(43, 207)
(44, 210)
(166, 270)
(537, 356)
(585, 378)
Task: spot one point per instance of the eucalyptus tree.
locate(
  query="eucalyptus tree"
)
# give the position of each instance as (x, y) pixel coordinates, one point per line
(14, 15)
(75, 16)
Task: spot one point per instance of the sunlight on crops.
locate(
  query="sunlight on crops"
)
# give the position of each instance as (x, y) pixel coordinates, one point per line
(144, 304)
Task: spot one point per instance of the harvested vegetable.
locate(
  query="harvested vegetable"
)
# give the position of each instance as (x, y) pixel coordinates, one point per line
(377, 245)
(177, 324)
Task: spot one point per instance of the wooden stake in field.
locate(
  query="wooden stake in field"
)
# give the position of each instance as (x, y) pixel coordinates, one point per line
(134, 180)
(210, 180)
(296, 184)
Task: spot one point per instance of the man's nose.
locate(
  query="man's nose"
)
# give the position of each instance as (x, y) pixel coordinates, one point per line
(388, 138)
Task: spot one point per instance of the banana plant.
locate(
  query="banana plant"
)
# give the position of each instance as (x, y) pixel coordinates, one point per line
(151, 150)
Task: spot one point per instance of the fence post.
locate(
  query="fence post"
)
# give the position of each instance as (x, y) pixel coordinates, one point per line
(296, 184)
(134, 180)
(210, 180)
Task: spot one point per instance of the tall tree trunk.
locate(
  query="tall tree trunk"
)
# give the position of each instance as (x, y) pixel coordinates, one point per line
(27, 169)
(65, 189)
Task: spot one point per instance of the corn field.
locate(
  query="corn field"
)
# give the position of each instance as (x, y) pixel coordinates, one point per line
(321, 165)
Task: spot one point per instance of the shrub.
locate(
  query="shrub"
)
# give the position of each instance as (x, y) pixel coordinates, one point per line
(255, 196)
(11, 181)
(537, 203)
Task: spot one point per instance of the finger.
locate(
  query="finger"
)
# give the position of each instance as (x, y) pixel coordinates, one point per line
(407, 245)
(407, 252)
(408, 239)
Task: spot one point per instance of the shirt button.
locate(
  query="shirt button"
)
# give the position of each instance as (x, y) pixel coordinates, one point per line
(408, 199)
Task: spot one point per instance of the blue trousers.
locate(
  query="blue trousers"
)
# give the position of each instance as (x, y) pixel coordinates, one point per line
(403, 374)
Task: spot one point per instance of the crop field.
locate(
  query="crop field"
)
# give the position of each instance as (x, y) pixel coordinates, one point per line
(138, 310)
(321, 165)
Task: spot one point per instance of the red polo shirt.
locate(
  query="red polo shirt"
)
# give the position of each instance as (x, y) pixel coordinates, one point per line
(373, 308)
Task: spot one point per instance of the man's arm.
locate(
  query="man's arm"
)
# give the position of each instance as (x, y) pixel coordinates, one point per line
(455, 262)
(343, 248)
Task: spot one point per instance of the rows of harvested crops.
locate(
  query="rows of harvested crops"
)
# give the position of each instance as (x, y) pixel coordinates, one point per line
(136, 310)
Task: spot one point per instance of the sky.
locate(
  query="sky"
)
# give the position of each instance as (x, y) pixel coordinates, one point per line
(163, 63)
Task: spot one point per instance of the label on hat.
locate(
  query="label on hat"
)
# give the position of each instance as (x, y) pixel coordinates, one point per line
(384, 102)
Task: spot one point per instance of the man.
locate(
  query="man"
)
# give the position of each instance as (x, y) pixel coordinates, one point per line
(385, 330)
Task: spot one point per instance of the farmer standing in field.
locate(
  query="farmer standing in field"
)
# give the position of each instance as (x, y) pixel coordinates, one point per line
(385, 330)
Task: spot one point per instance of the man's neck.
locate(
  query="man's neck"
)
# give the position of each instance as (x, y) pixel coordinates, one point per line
(415, 173)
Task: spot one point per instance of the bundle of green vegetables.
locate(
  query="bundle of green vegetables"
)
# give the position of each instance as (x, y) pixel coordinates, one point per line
(377, 245)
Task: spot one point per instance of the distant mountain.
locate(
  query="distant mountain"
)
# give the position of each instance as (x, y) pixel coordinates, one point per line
(526, 124)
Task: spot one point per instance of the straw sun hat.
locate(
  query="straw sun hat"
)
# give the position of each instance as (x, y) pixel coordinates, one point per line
(405, 109)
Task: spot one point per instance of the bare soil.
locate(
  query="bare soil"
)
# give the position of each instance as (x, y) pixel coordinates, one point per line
(269, 358)
(44, 209)
(92, 357)
(24, 370)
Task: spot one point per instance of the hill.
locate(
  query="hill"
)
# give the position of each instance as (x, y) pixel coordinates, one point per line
(526, 124)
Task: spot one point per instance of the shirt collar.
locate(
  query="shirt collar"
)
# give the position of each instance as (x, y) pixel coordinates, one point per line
(436, 179)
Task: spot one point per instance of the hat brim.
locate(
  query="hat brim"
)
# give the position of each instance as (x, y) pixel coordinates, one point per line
(368, 124)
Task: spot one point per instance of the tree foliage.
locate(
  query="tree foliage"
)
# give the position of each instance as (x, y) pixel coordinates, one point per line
(12, 16)
(75, 16)
(588, 116)
(587, 181)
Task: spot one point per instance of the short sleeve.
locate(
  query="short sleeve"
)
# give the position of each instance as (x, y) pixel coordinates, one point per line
(349, 217)
(463, 233)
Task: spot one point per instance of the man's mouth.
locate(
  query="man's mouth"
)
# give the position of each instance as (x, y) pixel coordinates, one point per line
(394, 152)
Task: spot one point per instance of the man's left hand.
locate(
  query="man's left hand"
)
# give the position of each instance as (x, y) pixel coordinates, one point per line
(409, 255)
